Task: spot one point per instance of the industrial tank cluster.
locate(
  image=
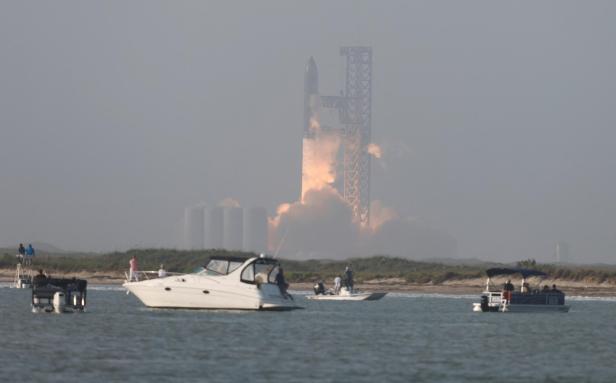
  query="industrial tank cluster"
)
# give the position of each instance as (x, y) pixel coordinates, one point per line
(230, 228)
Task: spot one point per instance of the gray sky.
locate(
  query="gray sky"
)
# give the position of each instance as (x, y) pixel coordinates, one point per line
(497, 118)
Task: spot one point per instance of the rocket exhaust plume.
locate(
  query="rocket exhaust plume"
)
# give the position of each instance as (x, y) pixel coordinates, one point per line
(319, 161)
(319, 147)
(374, 150)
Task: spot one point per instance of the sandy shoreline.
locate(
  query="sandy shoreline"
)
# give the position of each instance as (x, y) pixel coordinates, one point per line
(454, 287)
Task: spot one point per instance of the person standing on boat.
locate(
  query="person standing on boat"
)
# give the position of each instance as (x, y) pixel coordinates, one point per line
(508, 290)
(282, 283)
(21, 253)
(39, 278)
(133, 269)
(29, 254)
(348, 278)
(161, 272)
(337, 283)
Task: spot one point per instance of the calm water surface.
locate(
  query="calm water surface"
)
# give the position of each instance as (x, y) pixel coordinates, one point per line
(402, 338)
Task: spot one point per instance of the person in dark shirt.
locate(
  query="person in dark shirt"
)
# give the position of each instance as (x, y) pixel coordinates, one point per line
(508, 290)
(555, 290)
(21, 253)
(348, 278)
(39, 278)
(282, 283)
(508, 286)
(319, 288)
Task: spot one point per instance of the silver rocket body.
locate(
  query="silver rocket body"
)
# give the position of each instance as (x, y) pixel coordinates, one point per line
(311, 97)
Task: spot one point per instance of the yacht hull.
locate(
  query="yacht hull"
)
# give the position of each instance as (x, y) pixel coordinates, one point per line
(195, 292)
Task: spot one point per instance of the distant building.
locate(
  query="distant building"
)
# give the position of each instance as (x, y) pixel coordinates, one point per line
(193, 228)
(233, 224)
(213, 228)
(255, 230)
(562, 252)
(228, 227)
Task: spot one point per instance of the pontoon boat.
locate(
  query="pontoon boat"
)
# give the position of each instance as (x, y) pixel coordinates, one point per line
(59, 295)
(524, 299)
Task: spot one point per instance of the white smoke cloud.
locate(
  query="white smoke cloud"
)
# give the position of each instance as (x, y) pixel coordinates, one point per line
(319, 227)
(229, 202)
(322, 226)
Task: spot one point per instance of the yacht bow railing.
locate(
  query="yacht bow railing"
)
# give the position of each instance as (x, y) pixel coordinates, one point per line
(148, 274)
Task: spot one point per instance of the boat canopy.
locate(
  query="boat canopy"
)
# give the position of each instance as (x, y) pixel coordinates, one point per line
(230, 258)
(505, 271)
(223, 265)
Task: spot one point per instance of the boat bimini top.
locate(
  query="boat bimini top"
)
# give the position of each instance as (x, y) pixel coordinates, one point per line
(505, 271)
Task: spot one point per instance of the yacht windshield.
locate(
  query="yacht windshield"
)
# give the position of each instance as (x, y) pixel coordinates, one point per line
(221, 267)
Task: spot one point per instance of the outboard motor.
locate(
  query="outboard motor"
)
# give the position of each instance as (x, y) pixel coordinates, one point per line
(59, 302)
(316, 289)
(319, 288)
(484, 303)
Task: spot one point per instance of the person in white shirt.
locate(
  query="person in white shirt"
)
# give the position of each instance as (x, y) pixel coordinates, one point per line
(161, 272)
(337, 282)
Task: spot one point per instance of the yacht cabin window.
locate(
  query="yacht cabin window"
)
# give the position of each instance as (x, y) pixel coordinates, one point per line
(260, 271)
(221, 267)
(233, 265)
(248, 275)
(217, 266)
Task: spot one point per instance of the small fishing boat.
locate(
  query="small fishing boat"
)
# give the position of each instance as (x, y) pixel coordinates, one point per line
(226, 282)
(347, 296)
(342, 294)
(525, 299)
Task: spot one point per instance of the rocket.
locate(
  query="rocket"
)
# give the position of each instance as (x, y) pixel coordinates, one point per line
(311, 97)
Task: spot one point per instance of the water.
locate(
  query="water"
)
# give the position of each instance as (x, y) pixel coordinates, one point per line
(402, 338)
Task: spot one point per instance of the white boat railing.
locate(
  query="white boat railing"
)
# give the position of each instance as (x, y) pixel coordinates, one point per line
(22, 275)
(148, 274)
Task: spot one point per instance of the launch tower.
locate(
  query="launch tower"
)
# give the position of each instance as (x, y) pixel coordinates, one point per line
(354, 107)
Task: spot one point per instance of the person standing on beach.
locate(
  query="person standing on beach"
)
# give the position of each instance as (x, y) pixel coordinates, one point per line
(133, 269)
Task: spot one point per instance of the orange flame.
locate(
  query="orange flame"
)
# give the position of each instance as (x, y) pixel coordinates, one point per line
(319, 158)
(374, 150)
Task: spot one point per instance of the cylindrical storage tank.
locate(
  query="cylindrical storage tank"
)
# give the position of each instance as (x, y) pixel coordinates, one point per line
(193, 228)
(255, 230)
(214, 228)
(233, 220)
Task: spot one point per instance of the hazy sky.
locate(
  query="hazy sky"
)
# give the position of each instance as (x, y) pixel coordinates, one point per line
(498, 119)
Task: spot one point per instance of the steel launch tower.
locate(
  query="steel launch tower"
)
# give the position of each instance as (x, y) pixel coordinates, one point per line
(354, 107)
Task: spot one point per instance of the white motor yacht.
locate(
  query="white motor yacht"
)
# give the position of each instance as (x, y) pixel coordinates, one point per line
(525, 299)
(225, 283)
